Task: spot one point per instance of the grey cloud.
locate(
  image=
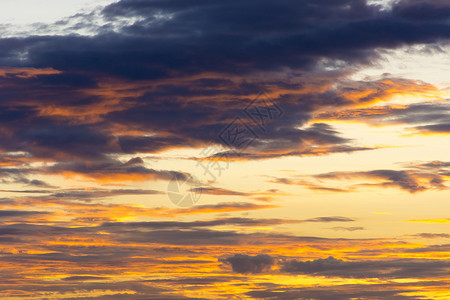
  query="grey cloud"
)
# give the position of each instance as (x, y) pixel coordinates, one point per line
(241, 263)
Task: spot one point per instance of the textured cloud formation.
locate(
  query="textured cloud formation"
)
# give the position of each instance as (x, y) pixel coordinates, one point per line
(88, 102)
(416, 178)
(343, 292)
(425, 118)
(361, 269)
(166, 58)
(399, 268)
(242, 263)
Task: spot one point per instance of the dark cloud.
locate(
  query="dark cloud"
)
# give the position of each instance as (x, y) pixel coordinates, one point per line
(436, 165)
(72, 140)
(414, 178)
(111, 169)
(342, 228)
(225, 207)
(89, 195)
(83, 278)
(46, 138)
(241, 263)
(199, 224)
(421, 10)
(435, 128)
(433, 116)
(401, 114)
(135, 290)
(219, 191)
(30, 182)
(342, 292)
(19, 175)
(196, 237)
(194, 67)
(190, 37)
(20, 213)
(433, 235)
(406, 180)
(406, 268)
(431, 248)
(332, 267)
(329, 219)
(295, 36)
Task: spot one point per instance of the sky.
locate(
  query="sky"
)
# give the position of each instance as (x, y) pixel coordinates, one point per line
(210, 149)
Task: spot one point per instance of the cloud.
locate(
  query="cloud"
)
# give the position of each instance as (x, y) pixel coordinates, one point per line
(114, 170)
(400, 268)
(426, 117)
(83, 194)
(176, 247)
(421, 10)
(332, 267)
(341, 292)
(244, 264)
(329, 219)
(20, 213)
(416, 113)
(353, 228)
(223, 207)
(415, 178)
(435, 128)
(197, 224)
(83, 278)
(298, 33)
(219, 191)
(433, 235)
(138, 84)
(166, 75)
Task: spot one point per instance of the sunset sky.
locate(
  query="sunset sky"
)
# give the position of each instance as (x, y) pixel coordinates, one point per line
(224, 149)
